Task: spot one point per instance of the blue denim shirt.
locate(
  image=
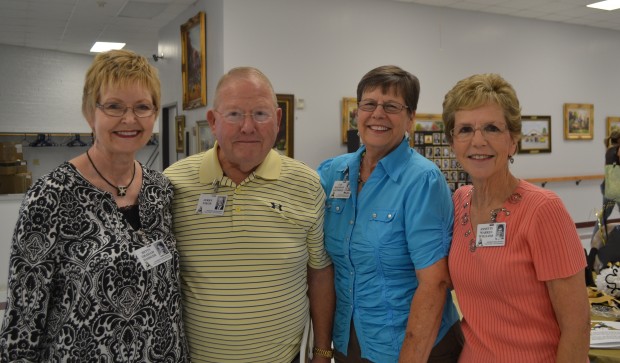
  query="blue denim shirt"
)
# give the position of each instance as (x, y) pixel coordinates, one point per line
(399, 222)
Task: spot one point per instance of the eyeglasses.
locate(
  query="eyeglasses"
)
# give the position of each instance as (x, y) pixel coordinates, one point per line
(467, 132)
(236, 117)
(388, 107)
(118, 109)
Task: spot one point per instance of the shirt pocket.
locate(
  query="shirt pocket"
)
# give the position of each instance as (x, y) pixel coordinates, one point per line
(335, 226)
(382, 226)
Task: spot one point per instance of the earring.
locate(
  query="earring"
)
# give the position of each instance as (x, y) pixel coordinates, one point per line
(511, 159)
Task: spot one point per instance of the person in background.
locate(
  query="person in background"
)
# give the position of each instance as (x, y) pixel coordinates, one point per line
(251, 274)
(82, 287)
(611, 156)
(522, 293)
(389, 235)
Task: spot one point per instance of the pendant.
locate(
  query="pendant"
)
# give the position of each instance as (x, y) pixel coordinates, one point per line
(472, 245)
(122, 191)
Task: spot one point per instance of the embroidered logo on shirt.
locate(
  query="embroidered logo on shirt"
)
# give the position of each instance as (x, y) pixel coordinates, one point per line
(276, 206)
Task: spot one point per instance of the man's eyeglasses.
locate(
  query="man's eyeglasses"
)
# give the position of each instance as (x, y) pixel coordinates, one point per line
(236, 117)
(388, 107)
(466, 132)
(118, 109)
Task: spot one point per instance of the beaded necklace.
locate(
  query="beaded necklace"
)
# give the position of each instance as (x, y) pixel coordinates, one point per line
(361, 182)
(514, 198)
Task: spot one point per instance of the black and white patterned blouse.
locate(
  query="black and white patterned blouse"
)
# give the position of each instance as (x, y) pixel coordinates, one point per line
(76, 291)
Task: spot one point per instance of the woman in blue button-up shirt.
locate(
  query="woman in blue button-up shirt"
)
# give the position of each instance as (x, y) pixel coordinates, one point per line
(388, 226)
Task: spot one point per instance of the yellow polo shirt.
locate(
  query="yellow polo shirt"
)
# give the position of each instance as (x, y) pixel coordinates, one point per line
(243, 273)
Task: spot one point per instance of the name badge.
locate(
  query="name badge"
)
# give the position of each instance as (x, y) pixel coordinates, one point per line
(341, 190)
(491, 235)
(211, 204)
(153, 255)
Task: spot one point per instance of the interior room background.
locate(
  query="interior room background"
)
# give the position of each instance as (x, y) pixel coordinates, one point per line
(318, 50)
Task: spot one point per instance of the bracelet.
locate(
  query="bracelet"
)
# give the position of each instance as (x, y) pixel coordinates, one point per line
(325, 353)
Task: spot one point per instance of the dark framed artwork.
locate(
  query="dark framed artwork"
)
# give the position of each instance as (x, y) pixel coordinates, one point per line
(179, 127)
(204, 137)
(613, 123)
(578, 121)
(193, 62)
(349, 116)
(535, 135)
(284, 141)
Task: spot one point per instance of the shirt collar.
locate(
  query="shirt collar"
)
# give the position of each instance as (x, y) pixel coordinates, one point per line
(211, 169)
(393, 163)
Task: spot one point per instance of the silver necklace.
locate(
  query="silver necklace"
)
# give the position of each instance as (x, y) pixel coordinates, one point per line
(514, 198)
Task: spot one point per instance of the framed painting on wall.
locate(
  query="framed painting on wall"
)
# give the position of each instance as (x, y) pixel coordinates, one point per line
(204, 137)
(578, 121)
(179, 127)
(535, 135)
(349, 116)
(613, 123)
(193, 62)
(426, 122)
(284, 140)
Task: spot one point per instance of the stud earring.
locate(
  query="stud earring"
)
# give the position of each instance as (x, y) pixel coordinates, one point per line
(511, 159)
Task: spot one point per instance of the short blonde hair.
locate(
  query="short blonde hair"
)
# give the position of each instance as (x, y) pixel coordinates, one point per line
(118, 68)
(480, 90)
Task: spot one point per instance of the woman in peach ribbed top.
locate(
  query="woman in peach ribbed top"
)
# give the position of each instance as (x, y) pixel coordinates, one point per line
(516, 261)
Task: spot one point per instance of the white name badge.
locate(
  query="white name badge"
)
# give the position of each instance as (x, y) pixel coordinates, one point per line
(153, 255)
(341, 190)
(491, 235)
(211, 204)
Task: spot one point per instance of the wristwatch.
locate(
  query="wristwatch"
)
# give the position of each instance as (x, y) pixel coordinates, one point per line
(325, 353)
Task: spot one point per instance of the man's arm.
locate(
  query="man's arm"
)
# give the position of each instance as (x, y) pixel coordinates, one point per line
(425, 314)
(322, 305)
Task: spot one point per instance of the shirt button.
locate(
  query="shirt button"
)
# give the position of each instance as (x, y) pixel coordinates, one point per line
(374, 215)
(337, 208)
(389, 216)
(351, 222)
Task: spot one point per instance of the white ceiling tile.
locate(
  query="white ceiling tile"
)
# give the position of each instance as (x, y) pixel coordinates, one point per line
(73, 25)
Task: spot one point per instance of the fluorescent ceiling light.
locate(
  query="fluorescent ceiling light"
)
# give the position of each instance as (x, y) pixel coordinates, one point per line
(606, 5)
(105, 46)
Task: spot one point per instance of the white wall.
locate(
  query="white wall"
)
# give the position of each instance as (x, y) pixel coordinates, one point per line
(41, 90)
(318, 50)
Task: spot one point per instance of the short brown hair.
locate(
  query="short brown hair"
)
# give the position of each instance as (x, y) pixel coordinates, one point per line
(480, 90)
(118, 68)
(389, 77)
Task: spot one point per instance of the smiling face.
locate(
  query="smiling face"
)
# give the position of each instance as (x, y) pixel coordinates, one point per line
(484, 156)
(244, 145)
(382, 132)
(123, 134)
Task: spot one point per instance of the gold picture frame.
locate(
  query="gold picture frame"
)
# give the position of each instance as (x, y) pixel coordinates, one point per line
(535, 135)
(205, 139)
(578, 121)
(285, 139)
(179, 127)
(349, 116)
(193, 62)
(613, 123)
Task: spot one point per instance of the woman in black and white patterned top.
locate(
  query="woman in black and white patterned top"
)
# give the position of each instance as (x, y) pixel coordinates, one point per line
(86, 283)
